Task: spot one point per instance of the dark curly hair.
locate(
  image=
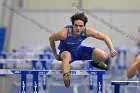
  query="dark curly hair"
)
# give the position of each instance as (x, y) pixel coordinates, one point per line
(79, 16)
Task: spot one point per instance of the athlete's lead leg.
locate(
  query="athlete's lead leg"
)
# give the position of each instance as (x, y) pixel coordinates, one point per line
(66, 57)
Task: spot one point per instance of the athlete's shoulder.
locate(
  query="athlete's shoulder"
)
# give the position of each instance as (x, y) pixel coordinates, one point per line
(62, 32)
(90, 31)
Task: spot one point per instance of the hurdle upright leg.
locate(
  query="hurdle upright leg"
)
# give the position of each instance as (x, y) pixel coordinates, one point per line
(35, 82)
(100, 82)
(44, 76)
(91, 87)
(117, 88)
(23, 81)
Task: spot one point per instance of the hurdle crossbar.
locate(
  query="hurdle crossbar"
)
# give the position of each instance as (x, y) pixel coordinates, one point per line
(52, 72)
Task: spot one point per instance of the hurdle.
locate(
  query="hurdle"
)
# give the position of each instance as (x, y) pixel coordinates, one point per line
(34, 66)
(44, 63)
(117, 84)
(41, 55)
(124, 51)
(34, 62)
(36, 74)
(32, 48)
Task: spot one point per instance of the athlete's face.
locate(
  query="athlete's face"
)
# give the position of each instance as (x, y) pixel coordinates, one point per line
(78, 26)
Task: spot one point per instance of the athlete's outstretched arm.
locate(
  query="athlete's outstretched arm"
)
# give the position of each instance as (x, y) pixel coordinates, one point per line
(60, 35)
(133, 68)
(100, 36)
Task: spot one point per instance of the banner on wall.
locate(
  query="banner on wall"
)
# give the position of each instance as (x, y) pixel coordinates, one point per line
(2, 38)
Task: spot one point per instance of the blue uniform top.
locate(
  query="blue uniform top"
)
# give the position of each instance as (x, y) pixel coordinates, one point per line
(71, 43)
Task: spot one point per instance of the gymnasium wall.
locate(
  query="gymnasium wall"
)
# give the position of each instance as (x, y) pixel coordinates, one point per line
(87, 4)
(26, 32)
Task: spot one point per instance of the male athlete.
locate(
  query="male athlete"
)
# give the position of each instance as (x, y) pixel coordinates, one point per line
(70, 47)
(136, 65)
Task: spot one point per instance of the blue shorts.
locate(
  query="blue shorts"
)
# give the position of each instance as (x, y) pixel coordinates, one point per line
(81, 53)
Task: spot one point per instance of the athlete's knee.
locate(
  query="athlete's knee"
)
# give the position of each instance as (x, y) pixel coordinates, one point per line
(66, 55)
(105, 56)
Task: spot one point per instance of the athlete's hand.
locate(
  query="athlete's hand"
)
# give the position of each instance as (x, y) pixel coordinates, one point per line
(113, 53)
(57, 57)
